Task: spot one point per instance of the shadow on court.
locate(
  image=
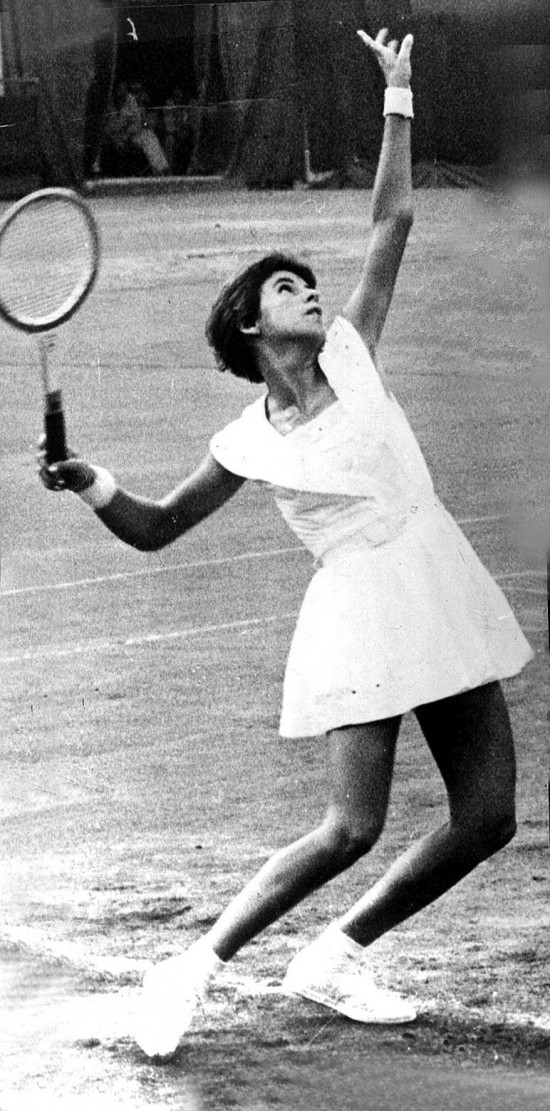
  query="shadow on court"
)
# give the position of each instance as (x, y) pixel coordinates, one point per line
(75, 1041)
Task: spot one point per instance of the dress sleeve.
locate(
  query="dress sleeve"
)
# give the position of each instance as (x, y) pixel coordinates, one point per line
(226, 446)
(239, 447)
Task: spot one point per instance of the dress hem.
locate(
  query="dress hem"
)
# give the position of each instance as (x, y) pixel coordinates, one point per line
(361, 718)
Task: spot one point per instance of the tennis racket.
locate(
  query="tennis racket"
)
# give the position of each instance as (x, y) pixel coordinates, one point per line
(49, 258)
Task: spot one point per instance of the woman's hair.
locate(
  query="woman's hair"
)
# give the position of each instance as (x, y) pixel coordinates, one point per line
(238, 306)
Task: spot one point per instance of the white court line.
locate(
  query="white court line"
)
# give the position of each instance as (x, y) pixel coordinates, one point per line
(140, 641)
(121, 576)
(100, 646)
(118, 576)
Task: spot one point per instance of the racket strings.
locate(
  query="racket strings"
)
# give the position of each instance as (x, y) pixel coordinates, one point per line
(46, 260)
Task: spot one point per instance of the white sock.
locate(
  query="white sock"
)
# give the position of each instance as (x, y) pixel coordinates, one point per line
(342, 944)
(204, 958)
(197, 965)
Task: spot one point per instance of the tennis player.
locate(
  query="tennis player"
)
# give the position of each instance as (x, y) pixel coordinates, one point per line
(401, 615)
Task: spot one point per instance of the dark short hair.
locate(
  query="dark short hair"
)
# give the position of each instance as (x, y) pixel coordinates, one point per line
(238, 306)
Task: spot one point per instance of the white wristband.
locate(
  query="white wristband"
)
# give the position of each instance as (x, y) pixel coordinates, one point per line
(398, 102)
(102, 490)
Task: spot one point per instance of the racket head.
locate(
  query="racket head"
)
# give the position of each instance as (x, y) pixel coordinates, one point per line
(49, 259)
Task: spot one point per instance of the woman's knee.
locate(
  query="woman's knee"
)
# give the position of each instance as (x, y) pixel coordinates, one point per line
(361, 765)
(500, 828)
(348, 838)
(488, 831)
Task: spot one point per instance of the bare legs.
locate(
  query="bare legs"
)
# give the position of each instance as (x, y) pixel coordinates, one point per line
(360, 770)
(471, 741)
(470, 738)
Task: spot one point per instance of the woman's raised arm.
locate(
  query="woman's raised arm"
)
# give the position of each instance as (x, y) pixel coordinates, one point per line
(392, 199)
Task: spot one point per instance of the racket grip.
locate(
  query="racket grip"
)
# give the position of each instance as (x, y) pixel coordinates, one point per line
(54, 424)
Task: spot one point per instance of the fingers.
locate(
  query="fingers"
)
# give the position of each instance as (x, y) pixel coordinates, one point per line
(50, 477)
(377, 44)
(394, 60)
(47, 475)
(42, 450)
(366, 39)
(406, 47)
(71, 474)
(381, 48)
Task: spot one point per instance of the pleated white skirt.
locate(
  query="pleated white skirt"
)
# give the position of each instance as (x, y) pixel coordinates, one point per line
(385, 629)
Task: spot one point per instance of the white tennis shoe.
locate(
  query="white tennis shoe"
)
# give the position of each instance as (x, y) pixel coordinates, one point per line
(340, 981)
(173, 991)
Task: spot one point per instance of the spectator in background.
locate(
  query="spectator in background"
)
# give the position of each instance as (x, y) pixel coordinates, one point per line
(130, 144)
(178, 130)
(141, 122)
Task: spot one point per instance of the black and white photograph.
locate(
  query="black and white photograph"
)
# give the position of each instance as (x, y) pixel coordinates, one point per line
(275, 555)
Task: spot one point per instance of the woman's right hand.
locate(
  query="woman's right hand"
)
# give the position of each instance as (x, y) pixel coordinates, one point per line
(71, 474)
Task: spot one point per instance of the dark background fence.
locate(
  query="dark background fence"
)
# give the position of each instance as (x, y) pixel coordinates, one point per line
(264, 93)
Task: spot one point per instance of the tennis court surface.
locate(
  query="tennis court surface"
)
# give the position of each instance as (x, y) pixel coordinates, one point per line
(143, 779)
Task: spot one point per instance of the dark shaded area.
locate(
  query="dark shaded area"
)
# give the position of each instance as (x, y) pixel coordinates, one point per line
(58, 58)
(251, 49)
(265, 93)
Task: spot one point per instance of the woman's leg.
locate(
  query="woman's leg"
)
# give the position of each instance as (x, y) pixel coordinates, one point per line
(471, 741)
(361, 761)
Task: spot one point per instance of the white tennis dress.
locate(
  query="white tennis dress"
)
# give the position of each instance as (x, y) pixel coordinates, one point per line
(401, 611)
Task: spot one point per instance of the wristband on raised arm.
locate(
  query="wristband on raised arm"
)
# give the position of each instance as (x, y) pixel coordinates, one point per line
(398, 102)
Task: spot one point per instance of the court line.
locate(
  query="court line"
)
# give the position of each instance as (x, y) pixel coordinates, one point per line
(100, 646)
(521, 575)
(141, 641)
(121, 576)
(117, 576)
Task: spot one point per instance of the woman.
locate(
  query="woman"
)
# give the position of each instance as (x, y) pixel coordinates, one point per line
(400, 616)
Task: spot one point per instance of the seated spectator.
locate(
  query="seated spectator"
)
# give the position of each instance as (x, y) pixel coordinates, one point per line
(130, 145)
(140, 121)
(179, 132)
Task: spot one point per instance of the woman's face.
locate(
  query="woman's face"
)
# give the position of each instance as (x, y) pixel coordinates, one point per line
(289, 308)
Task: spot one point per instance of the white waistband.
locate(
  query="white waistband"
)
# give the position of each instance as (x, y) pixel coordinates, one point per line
(380, 531)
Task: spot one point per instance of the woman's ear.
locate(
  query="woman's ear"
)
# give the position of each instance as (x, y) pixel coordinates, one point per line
(253, 330)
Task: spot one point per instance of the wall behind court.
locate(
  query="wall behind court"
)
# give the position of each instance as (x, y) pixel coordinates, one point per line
(273, 78)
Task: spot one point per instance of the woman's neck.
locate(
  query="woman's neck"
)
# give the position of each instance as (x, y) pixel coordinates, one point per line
(295, 400)
(294, 381)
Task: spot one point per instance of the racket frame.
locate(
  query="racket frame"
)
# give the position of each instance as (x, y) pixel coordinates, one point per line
(82, 289)
(44, 328)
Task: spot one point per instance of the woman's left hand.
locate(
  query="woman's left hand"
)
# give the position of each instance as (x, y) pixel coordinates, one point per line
(395, 63)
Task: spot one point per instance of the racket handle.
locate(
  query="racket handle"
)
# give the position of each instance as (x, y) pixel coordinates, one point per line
(54, 423)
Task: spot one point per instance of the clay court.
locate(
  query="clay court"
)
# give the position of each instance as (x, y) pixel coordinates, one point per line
(143, 778)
